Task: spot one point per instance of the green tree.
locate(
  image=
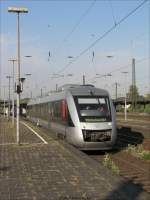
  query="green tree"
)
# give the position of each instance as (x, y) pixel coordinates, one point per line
(148, 96)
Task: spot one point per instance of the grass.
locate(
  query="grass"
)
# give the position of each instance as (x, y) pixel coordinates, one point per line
(139, 151)
(107, 162)
(145, 155)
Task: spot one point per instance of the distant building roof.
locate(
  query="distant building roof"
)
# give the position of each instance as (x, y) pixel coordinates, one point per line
(121, 100)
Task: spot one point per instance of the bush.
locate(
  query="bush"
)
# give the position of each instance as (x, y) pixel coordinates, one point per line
(119, 108)
(145, 155)
(140, 109)
(138, 151)
(147, 109)
(107, 162)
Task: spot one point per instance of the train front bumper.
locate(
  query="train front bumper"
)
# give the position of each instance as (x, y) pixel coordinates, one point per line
(97, 145)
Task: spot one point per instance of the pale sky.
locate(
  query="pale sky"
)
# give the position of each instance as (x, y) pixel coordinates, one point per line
(67, 28)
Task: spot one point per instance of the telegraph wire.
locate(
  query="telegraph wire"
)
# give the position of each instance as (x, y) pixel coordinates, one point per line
(80, 19)
(118, 69)
(137, 61)
(104, 35)
(76, 25)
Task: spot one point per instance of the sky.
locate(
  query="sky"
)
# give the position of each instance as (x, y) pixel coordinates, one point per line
(65, 38)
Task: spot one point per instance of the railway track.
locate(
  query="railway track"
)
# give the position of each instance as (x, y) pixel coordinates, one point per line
(130, 166)
(134, 169)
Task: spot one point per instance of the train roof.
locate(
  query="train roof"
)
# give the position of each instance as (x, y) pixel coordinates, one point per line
(86, 90)
(74, 89)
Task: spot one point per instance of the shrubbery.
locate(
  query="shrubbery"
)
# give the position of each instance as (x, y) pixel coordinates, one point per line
(119, 108)
(139, 109)
(147, 108)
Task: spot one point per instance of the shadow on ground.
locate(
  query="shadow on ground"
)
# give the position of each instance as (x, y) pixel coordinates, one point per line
(5, 168)
(127, 188)
(126, 136)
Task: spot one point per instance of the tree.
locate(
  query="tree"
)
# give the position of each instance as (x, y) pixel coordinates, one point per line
(148, 96)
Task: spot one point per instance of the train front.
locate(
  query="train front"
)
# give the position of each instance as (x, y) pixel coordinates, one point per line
(95, 128)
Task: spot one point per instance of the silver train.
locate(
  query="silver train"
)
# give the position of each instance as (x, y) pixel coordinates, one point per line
(81, 114)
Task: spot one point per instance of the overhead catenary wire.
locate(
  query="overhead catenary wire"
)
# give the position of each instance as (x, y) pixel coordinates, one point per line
(80, 20)
(118, 69)
(103, 35)
(68, 35)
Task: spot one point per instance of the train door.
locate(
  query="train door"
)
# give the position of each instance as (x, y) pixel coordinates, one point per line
(64, 115)
(64, 112)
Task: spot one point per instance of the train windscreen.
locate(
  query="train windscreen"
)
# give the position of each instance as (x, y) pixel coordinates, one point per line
(93, 109)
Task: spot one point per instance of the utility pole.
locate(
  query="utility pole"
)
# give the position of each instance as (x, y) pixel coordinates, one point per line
(4, 100)
(83, 79)
(9, 77)
(125, 98)
(31, 95)
(149, 75)
(13, 104)
(18, 89)
(56, 87)
(0, 83)
(134, 89)
(116, 89)
(41, 92)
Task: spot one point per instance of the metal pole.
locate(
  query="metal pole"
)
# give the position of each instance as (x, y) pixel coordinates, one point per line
(9, 100)
(83, 79)
(18, 89)
(149, 71)
(0, 83)
(116, 89)
(125, 108)
(31, 94)
(133, 95)
(13, 106)
(125, 99)
(4, 101)
(18, 79)
(13, 90)
(8, 114)
(149, 64)
(149, 78)
(116, 84)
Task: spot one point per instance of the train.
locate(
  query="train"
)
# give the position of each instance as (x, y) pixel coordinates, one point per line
(83, 115)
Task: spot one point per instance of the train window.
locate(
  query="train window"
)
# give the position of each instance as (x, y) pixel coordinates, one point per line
(44, 111)
(55, 111)
(95, 109)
